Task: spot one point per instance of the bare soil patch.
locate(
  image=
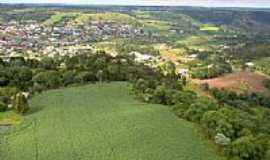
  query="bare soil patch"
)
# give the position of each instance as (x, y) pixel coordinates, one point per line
(238, 81)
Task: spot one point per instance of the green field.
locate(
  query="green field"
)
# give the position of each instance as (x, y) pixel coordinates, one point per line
(98, 122)
(209, 28)
(263, 65)
(114, 17)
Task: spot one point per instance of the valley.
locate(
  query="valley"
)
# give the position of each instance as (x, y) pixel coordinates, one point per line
(134, 82)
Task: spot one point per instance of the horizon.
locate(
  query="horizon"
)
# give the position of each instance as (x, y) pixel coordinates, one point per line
(204, 3)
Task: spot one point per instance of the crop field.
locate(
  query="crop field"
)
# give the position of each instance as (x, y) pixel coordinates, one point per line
(99, 122)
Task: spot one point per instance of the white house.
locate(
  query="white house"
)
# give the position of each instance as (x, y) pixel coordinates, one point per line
(140, 57)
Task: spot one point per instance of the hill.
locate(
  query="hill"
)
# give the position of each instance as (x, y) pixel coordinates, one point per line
(102, 122)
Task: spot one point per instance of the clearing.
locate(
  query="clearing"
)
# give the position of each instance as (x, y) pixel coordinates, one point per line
(239, 81)
(102, 121)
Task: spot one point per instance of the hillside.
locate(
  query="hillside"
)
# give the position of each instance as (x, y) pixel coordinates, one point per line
(79, 123)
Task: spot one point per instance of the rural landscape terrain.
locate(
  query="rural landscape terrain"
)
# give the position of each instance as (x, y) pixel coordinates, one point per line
(84, 82)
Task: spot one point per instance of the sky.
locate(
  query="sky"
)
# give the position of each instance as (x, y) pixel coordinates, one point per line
(206, 3)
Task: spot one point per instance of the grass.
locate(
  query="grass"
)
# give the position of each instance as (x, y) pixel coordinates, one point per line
(194, 40)
(9, 117)
(157, 24)
(142, 14)
(99, 122)
(263, 65)
(200, 42)
(107, 46)
(57, 18)
(114, 17)
(209, 28)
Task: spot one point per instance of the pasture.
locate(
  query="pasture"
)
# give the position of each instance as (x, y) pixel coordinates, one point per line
(102, 122)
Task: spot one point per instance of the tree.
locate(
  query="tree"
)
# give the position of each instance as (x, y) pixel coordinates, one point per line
(85, 76)
(20, 77)
(48, 64)
(2, 63)
(169, 68)
(20, 103)
(4, 78)
(114, 72)
(196, 110)
(3, 106)
(246, 148)
(100, 75)
(17, 61)
(266, 83)
(49, 79)
(69, 77)
(73, 63)
(159, 95)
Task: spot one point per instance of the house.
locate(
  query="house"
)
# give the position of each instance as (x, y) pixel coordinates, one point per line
(140, 57)
(249, 64)
(183, 72)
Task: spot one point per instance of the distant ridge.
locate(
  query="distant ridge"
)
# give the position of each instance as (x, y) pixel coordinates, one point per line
(135, 6)
(119, 5)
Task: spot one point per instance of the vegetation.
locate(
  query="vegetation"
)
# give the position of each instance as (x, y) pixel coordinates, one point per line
(58, 18)
(209, 28)
(78, 123)
(47, 48)
(114, 17)
(231, 122)
(242, 101)
(267, 83)
(263, 64)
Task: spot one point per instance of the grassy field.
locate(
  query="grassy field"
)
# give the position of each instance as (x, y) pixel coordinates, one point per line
(57, 18)
(209, 28)
(263, 65)
(102, 122)
(118, 18)
(9, 117)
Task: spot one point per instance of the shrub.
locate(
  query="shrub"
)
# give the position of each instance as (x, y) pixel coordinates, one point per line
(4, 77)
(38, 88)
(246, 148)
(266, 83)
(49, 79)
(3, 106)
(20, 77)
(84, 77)
(68, 78)
(196, 110)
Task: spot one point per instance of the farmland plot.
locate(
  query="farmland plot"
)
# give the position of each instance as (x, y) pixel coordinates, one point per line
(102, 122)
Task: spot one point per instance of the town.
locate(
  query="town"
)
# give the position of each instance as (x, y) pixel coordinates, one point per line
(32, 39)
(134, 82)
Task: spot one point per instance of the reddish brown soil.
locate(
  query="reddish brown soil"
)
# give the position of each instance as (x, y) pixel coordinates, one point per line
(238, 81)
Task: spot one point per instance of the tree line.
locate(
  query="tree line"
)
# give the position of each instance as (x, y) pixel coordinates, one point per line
(239, 130)
(242, 132)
